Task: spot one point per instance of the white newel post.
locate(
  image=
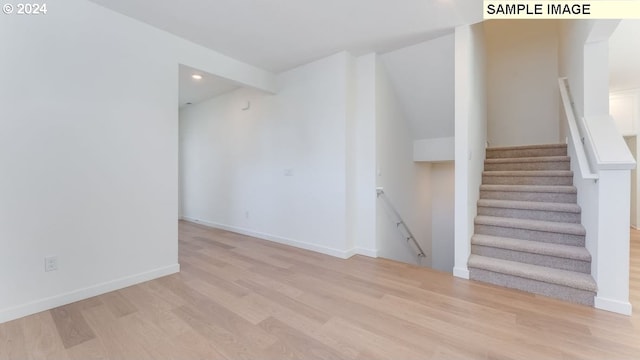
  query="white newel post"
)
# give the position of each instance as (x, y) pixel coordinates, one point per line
(613, 241)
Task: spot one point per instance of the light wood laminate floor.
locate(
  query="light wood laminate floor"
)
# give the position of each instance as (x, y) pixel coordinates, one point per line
(242, 298)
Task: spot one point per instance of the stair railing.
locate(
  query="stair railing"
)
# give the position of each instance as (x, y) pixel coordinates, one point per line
(578, 134)
(400, 223)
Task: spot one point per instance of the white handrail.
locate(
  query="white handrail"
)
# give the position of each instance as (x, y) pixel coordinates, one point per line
(380, 191)
(577, 139)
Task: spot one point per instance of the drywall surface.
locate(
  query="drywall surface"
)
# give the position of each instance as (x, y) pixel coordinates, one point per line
(278, 169)
(522, 82)
(632, 143)
(573, 36)
(89, 152)
(365, 149)
(422, 77)
(438, 149)
(406, 183)
(442, 215)
(624, 56)
(624, 107)
(471, 136)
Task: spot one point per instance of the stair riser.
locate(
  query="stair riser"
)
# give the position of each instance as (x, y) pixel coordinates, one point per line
(534, 235)
(534, 259)
(515, 153)
(527, 180)
(530, 214)
(533, 286)
(547, 165)
(530, 196)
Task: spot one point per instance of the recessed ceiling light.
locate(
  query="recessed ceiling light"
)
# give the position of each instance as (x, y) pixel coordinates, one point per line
(196, 77)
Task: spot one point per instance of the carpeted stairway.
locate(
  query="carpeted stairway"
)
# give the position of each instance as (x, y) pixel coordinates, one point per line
(528, 234)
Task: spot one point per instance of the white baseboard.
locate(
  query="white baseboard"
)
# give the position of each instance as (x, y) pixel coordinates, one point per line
(616, 306)
(462, 273)
(372, 253)
(343, 254)
(33, 307)
(635, 227)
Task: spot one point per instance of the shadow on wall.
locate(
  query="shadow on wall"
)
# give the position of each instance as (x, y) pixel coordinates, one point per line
(442, 215)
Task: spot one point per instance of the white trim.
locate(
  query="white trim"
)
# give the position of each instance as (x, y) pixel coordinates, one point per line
(372, 253)
(462, 273)
(615, 306)
(343, 254)
(36, 306)
(635, 227)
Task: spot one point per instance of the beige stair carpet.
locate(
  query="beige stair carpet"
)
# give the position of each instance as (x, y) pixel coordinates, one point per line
(528, 234)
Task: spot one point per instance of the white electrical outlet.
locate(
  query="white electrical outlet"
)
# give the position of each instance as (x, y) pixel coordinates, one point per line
(50, 263)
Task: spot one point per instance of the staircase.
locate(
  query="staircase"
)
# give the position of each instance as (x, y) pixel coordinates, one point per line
(528, 234)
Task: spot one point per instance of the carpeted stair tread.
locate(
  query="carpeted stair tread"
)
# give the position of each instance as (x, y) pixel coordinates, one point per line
(527, 151)
(566, 278)
(528, 147)
(529, 173)
(569, 189)
(528, 234)
(533, 247)
(535, 225)
(528, 159)
(530, 205)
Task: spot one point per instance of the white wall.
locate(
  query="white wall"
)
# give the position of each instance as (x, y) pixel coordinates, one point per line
(624, 56)
(471, 135)
(624, 107)
(422, 78)
(573, 36)
(406, 183)
(332, 126)
(442, 215)
(89, 152)
(438, 149)
(522, 85)
(632, 143)
(365, 135)
(278, 170)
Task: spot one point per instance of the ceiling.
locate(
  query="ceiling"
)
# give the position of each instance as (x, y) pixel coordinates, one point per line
(277, 35)
(194, 91)
(624, 56)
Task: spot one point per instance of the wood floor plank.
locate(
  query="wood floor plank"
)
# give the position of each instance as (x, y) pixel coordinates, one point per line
(229, 345)
(12, 341)
(117, 341)
(243, 298)
(207, 241)
(212, 312)
(204, 272)
(368, 343)
(238, 305)
(88, 350)
(199, 346)
(42, 338)
(292, 344)
(71, 325)
(118, 304)
(290, 303)
(156, 310)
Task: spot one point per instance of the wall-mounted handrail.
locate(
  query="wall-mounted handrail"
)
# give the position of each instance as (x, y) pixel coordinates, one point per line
(577, 137)
(400, 222)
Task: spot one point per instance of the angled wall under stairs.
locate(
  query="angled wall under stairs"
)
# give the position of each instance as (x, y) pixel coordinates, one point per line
(528, 234)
